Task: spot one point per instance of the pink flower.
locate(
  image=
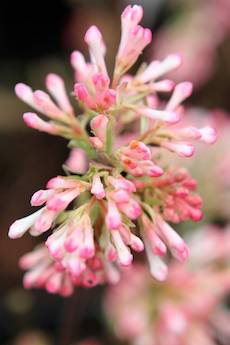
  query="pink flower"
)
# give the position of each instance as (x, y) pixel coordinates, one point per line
(189, 305)
(118, 194)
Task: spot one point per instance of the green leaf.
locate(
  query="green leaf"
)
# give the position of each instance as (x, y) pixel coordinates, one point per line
(109, 138)
(84, 145)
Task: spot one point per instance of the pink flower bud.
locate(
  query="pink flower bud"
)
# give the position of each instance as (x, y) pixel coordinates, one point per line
(182, 149)
(109, 98)
(136, 243)
(164, 86)
(137, 150)
(87, 248)
(20, 226)
(97, 188)
(181, 92)
(43, 222)
(167, 116)
(113, 217)
(40, 197)
(56, 87)
(122, 183)
(79, 64)
(131, 209)
(25, 93)
(81, 92)
(158, 268)
(97, 48)
(54, 282)
(77, 161)
(208, 135)
(132, 14)
(156, 68)
(120, 196)
(47, 106)
(60, 182)
(32, 120)
(156, 244)
(174, 241)
(58, 202)
(124, 256)
(99, 125)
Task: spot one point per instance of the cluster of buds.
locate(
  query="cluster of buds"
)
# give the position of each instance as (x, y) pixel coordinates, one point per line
(187, 308)
(118, 196)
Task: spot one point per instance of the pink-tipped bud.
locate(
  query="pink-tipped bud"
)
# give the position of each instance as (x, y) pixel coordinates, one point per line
(81, 92)
(43, 222)
(99, 125)
(208, 135)
(170, 117)
(100, 81)
(25, 93)
(122, 183)
(138, 150)
(176, 244)
(109, 98)
(131, 209)
(156, 68)
(163, 86)
(182, 149)
(181, 92)
(124, 256)
(97, 188)
(97, 48)
(79, 64)
(158, 268)
(40, 197)
(77, 162)
(93, 35)
(136, 243)
(59, 202)
(47, 106)
(61, 182)
(32, 120)
(20, 226)
(190, 133)
(113, 217)
(132, 13)
(120, 196)
(56, 87)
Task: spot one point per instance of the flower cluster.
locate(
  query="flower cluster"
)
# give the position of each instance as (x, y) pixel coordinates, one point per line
(187, 308)
(117, 196)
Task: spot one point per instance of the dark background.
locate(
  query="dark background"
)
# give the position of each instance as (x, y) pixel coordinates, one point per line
(37, 37)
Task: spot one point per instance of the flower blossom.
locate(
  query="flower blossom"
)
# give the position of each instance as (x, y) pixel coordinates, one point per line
(188, 308)
(118, 197)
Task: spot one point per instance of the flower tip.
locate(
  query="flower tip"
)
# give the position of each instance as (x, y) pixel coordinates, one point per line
(17, 229)
(92, 35)
(208, 135)
(173, 117)
(52, 80)
(160, 274)
(30, 119)
(13, 231)
(183, 254)
(175, 60)
(185, 88)
(134, 13)
(22, 91)
(80, 92)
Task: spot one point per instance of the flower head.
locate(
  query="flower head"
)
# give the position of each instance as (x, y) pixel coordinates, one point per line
(118, 196)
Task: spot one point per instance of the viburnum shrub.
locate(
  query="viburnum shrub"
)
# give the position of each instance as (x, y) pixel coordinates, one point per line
(117, 197)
